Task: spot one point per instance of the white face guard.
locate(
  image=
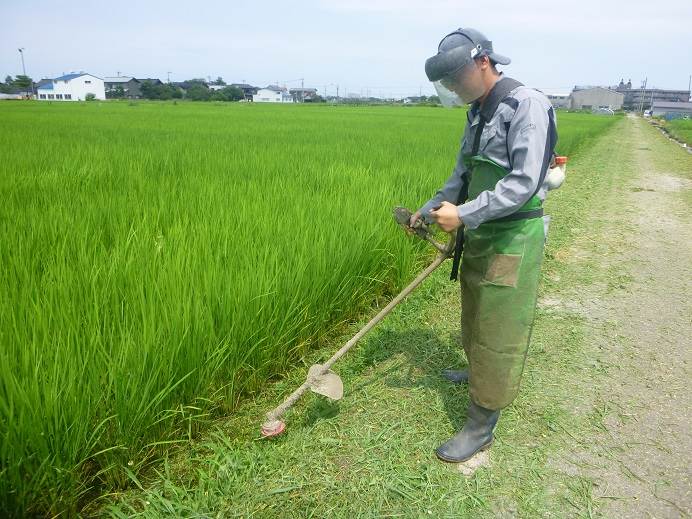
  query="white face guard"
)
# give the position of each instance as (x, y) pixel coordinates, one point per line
(461, 87)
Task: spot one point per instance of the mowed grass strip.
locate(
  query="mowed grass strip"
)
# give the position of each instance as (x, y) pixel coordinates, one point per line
(160, 261)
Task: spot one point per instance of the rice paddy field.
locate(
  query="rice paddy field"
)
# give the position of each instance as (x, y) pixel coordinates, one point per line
(161, 262)
(681, 129)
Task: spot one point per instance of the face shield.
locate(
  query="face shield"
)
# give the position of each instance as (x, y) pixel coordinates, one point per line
(456, 76)
(461, 87)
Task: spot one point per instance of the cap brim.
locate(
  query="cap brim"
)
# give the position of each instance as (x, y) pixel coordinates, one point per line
(499, 58)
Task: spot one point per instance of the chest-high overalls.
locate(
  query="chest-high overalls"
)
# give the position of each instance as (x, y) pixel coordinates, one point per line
(500, 270)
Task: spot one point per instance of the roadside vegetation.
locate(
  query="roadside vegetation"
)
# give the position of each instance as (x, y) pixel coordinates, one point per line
(681, 129)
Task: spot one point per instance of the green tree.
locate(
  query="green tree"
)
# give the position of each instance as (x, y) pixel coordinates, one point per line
(176, 93)
(148, 90)
(230, 93)
(234, 93)
(115, 93)
(218, 81)
(23, 83)
(197, 92)
(315, 99)
(90, 97)
(6, 87)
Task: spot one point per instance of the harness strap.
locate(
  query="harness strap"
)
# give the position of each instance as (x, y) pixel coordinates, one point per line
(499, 92)
(463, 196)
(521, 215)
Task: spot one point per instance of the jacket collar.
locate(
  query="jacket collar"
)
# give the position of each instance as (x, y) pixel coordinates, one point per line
(498, 92)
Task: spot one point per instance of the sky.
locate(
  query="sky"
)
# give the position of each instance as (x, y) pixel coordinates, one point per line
(375, 47)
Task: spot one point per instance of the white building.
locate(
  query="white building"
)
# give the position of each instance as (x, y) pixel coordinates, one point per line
(594, 98)
(272, 94)
(72, 87)
(671, 109)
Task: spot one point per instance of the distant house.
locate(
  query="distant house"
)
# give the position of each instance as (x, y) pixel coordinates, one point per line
(415, 99)
(303, 95)
(41, 83)
(643, 98)
(671, 110)
(129, 85)
(154, 81)
(594, 98)
(558, 99)
(185, 85)
(72, 87)
(272, 94)
(248, 90)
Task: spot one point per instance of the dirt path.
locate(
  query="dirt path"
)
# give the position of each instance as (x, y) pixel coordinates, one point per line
(600, 427)
(639, 317)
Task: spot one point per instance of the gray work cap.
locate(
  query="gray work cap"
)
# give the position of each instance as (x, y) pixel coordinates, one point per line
(459, 48)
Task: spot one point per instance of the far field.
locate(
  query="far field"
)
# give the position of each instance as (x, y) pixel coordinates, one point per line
(162, 261)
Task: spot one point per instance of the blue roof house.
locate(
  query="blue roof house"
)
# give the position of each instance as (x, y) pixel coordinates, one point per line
(71, 87)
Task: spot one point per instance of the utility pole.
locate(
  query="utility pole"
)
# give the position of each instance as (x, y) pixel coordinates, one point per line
(651, 106)
(643, 94)
(21, 53)
(646, 82)
(169, 76)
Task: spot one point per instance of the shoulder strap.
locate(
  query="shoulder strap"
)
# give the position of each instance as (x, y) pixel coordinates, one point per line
(499, 92)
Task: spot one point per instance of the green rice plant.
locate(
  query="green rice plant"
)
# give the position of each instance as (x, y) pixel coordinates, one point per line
(577, 130)
(160, 261)
(681, 129)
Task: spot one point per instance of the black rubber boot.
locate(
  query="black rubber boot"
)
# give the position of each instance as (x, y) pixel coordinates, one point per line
(475, 436)
(456, 376)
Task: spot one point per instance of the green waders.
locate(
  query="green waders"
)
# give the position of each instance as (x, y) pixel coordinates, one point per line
(500, 270)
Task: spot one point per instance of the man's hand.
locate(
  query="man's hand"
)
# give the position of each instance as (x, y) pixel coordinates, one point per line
(446, 217)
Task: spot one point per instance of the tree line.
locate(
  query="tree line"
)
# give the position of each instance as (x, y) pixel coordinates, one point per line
(19, 84)
(192, 89)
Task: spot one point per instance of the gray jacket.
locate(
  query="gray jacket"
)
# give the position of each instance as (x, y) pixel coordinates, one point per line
(517, 137)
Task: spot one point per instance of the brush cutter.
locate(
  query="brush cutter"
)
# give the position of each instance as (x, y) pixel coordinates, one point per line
(321, 379)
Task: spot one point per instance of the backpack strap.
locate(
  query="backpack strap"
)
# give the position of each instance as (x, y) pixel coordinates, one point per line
(499, 92)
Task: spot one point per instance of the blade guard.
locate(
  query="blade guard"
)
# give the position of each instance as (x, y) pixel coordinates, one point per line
(327, 384)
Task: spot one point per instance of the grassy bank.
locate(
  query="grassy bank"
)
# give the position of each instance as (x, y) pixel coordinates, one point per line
(681, 129)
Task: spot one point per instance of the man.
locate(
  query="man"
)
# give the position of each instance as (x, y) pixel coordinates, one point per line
(493, 198)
